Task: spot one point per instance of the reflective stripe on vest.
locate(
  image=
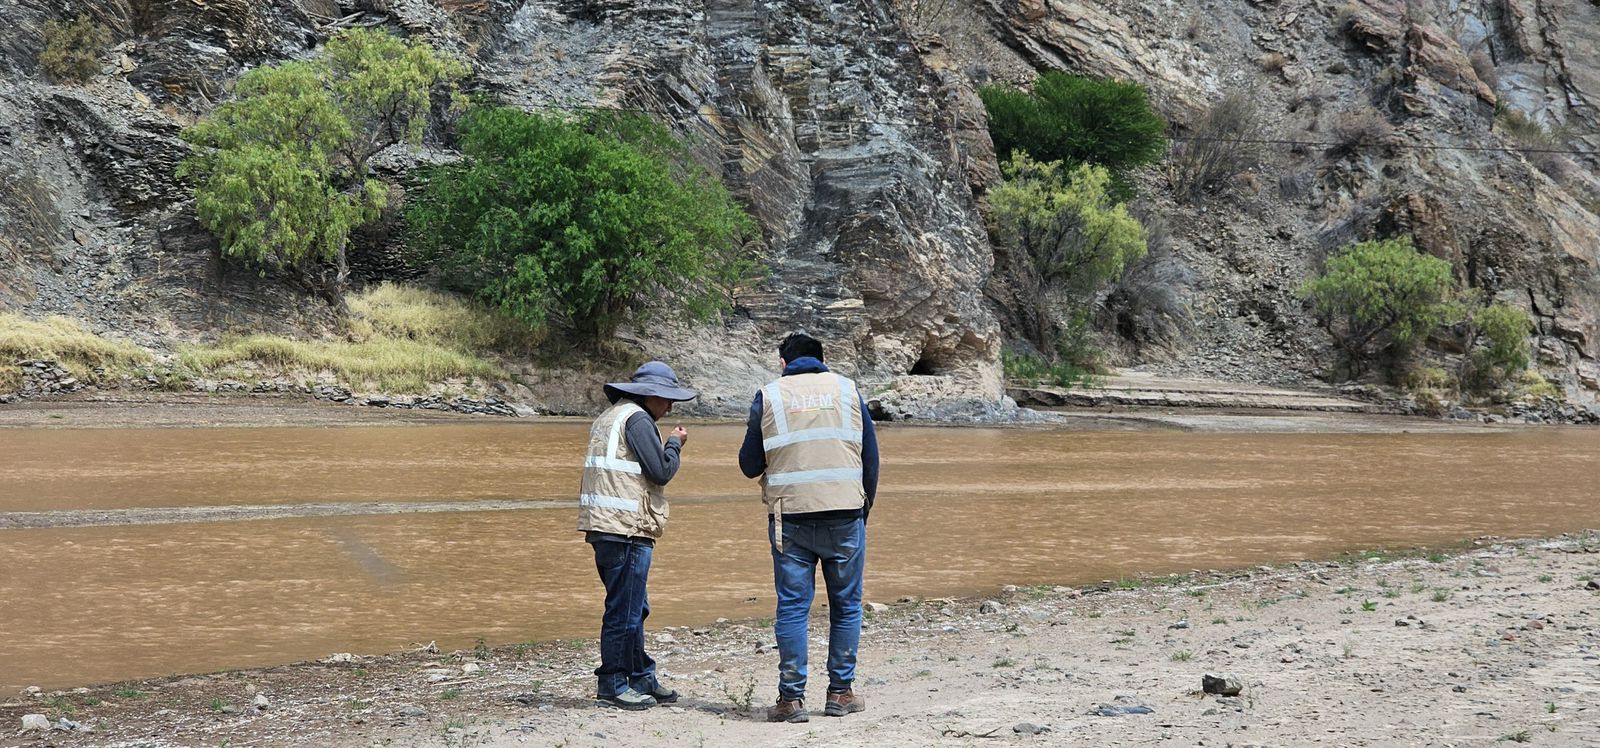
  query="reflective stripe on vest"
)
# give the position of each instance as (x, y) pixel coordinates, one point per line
(609, 502)
(808, 435)
(612, 463)
(813, 476)
(775, 398)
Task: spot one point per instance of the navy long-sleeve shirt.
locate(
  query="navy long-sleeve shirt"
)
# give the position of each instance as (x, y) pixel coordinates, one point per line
(753, 456)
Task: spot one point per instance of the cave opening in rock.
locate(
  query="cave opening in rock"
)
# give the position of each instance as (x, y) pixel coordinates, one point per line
(924, 367)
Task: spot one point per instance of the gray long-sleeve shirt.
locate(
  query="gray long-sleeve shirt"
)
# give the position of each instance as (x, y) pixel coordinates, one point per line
(658, 462)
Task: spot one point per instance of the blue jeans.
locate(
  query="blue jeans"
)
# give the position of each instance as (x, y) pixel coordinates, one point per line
(840, 547)
(624, 569)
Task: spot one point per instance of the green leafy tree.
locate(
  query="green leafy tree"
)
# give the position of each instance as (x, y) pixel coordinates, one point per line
(1497, 345)
(1379, 298)
(580, 222)
(1064, 237)
(73, 49)
(281, 171)
(1076, 120)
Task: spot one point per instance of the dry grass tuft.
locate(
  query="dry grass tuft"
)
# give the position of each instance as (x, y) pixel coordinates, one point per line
(400, 339)
(395, 311)
(66, 342)
(389, 364)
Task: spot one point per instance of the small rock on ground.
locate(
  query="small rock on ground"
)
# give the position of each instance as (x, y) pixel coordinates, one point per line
(1222, 685)
(1120, 710)
(35, 722)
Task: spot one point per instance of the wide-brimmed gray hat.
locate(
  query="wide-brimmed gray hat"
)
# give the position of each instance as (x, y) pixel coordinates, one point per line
(654, 378)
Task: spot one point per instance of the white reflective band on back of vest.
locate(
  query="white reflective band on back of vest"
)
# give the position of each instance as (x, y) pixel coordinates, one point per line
(845, 402)
(609, 502)
(774, 402)
(610, 461)
(810, 435)
(813, 476)
(614, 464)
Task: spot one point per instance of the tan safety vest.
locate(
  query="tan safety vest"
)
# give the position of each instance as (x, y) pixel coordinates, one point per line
(616, 497)
(811, 428)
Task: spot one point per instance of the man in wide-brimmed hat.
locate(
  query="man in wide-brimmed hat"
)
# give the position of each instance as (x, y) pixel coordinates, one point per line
(622, 511)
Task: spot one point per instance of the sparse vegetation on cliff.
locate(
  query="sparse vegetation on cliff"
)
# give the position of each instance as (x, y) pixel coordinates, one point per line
(1539, 142)
(1222, 145)
(74, 49)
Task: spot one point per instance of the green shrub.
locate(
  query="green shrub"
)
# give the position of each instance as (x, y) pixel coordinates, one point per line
(73, 49)
(1497, 345)
(582, 222)
(1076, 120)
(280, 172)
(1067, 238)
(1379, 298)
(1531, 384)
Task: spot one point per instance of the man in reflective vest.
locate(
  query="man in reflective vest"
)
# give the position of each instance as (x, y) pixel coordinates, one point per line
(812, 444)
(622, 511)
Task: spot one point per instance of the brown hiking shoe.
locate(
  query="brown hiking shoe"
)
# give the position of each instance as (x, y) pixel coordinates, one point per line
(848, 702)
(788, 711)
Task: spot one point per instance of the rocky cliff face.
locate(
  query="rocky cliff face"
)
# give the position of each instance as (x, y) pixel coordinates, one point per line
(1521, 226)
(856, 150)
(852, 132)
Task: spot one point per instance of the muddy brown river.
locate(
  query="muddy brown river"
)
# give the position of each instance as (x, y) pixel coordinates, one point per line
(131, 553)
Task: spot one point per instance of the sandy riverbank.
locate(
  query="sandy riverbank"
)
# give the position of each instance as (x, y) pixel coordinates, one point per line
(1498, 642)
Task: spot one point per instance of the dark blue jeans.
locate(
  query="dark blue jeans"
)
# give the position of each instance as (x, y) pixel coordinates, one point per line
(624, 569)
(840, 548)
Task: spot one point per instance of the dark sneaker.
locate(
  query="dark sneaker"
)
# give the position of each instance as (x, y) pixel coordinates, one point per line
(847, 702)
(664, 695)
(629, 699)
(788, 711)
